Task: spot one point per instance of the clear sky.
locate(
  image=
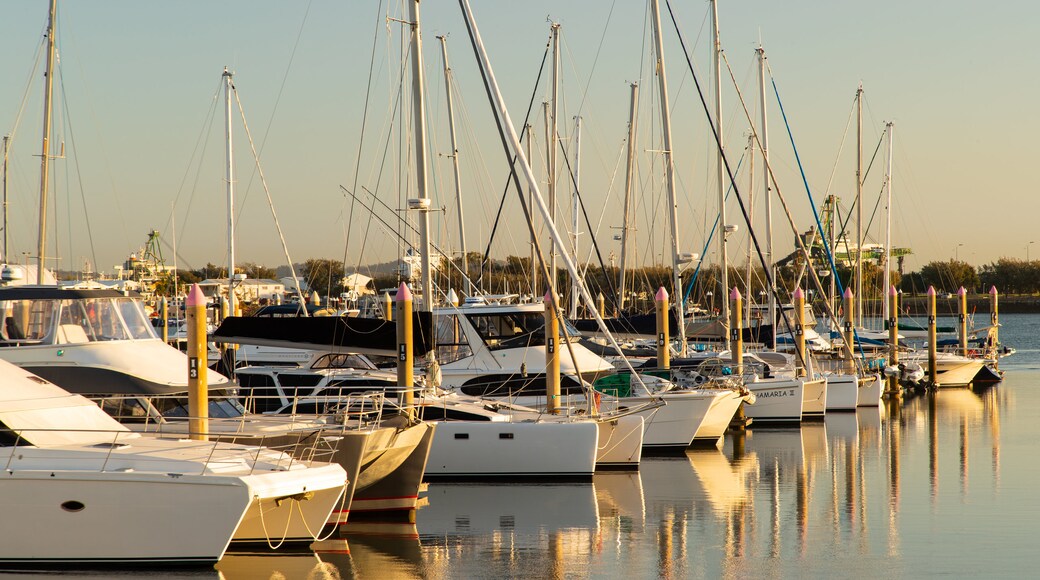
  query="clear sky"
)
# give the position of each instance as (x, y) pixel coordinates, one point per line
(141, 115)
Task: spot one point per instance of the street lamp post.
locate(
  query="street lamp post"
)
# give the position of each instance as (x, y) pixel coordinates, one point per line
(1027, 251)
(956, 252)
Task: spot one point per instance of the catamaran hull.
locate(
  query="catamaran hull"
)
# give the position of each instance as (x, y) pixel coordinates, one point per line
(395, 495)
(673, 426)
(288, 509)
(513, 450)
(102, 519)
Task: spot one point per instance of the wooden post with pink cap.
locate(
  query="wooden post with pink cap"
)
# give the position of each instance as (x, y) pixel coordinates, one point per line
(552, 355)
(893, 339)
(405, 368)
(799, 330)
(932, 342)
(664, 353)
(164, 308)
(736, 329)
(962, 320)
(849, 331)
(198, 385)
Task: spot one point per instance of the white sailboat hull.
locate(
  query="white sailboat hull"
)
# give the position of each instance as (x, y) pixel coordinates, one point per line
(719, 417)
(869, 393)
(620, 443)
(776, 400)
(842, 392)
(814, 398)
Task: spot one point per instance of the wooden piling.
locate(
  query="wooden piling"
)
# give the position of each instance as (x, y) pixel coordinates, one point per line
(799, 331)
(736, 326)
(405, 367)
(198, 386)
(932, 342)
(552, 356)
(664, 353)
(893, 339)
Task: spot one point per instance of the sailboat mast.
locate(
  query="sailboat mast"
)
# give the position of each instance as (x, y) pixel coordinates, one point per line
(576, 209)
(455, 162)
(720, 179)
(423, 203)
(887, 273)
(628, 192)
(41, 246)
(669, 168)
(230, 181)
(764, 144)
(859, 206)
(554, 105)
(530, 198)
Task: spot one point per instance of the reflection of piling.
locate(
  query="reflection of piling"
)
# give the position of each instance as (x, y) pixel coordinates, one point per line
(405, 370)
(198, 388)
(552, 355)
(933, 372)
(933, 446)
(664, 355)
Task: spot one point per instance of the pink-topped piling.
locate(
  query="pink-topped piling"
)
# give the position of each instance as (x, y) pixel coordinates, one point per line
(799, 330)
(664, 353)
(893, 339)
(552, 356)
(849, 330)
(932, 341)
(405, 368)
(198, 385)
(962, 320)
(736, 330)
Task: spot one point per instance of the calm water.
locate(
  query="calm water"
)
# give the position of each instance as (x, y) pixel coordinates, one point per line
(944, 484)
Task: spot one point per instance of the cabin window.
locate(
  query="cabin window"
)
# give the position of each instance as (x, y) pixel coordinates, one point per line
(343, 361)
(514, 329)
(451, 339)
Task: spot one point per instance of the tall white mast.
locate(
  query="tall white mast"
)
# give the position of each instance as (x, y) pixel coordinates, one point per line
(890, 127)
(576, 210)
(41, 246)
(859, 207)
(673, 205)
(230, 179)
(455, 162)
(723, 258)
(422, 204)
(628, 191)
(764, 144)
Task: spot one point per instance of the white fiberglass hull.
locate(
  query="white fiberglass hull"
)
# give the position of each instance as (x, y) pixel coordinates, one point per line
(777, 400)
(814, 398)
(719, 417)
(288, 509)
(620, 442)
(955, 370)
(513, 450)
(842, 392)
(869, 393)
(97, 518)
(673, 425)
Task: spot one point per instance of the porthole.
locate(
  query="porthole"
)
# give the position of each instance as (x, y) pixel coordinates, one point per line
(73, 506)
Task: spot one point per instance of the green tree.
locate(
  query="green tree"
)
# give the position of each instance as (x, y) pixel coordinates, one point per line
(950, 275)
(258, 272)
(323, 276)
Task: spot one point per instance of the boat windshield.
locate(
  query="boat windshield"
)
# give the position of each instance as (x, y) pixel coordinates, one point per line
(515, 329)
(81, 320)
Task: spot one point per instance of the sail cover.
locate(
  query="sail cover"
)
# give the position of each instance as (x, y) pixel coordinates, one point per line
(330, 333)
